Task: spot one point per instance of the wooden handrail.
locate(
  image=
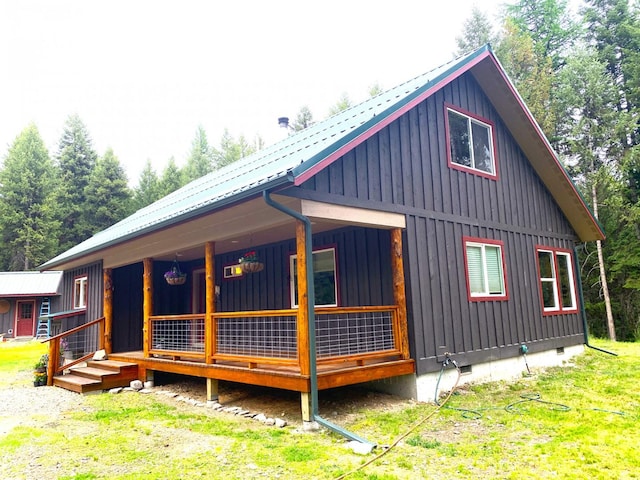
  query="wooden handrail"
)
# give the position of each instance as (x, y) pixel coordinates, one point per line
(54, 348)
(73, 330)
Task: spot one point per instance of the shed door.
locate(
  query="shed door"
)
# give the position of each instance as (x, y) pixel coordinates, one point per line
(25, 318)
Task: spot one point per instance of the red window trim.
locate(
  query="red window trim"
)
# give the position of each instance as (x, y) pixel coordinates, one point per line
(456, 166)
(487, 298)
(559, 310)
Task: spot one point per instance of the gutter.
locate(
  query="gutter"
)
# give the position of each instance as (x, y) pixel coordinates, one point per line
(313, 369)
(583, 312)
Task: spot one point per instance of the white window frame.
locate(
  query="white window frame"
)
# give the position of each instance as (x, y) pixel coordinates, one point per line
(485, 293)
(80, 292)
(293, 278)
(471, 120)
(557, 282)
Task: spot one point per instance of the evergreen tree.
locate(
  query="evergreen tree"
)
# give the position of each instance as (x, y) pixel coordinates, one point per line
(342, 104)
(587, 97)
(232, 150)
(477, 31)
(148, 189)
(171, 179)
(200, 161)
(76, 160)
(108, 197)
(27, 182)
(303, 120)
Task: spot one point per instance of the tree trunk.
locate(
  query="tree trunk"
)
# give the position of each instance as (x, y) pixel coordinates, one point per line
(603, 277)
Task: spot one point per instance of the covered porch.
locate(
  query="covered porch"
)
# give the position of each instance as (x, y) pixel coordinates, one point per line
(270, 347)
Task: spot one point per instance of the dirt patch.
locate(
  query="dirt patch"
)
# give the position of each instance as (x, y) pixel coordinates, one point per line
(339, 404)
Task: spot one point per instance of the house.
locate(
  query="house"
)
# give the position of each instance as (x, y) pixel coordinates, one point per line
(432, 221)
(24, 298)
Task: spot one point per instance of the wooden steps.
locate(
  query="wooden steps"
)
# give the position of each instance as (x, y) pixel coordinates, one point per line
(98, 375)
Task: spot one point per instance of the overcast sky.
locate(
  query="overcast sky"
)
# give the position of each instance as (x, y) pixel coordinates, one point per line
(143, 75)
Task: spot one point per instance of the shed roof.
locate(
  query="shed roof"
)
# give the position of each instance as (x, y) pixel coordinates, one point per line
(298, 157)
(30, 284)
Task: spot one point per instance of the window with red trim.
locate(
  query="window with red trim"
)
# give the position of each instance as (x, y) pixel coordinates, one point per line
(484, 263)
(470, 143)
(557, 280)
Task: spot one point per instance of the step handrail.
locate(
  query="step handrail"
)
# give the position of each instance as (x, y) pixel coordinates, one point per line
(54, 347)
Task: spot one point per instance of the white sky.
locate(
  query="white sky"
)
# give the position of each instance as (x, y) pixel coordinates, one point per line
(142, 75)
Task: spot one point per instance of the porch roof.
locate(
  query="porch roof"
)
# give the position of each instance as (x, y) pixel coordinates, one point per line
(30, 284)
(303, 154)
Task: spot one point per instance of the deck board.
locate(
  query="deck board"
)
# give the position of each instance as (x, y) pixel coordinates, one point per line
(287, 377)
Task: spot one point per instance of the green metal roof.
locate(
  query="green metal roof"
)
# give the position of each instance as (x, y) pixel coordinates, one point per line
(279, 164)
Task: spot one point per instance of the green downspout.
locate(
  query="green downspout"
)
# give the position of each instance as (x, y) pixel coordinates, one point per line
(313, 369)
(583, 312)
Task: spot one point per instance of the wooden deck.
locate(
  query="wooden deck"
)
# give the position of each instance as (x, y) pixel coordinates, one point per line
(286, 377)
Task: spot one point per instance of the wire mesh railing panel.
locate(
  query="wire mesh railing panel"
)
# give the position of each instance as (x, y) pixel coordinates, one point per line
(353, 333)
(77, 344)
(184, 335)
(268, 336)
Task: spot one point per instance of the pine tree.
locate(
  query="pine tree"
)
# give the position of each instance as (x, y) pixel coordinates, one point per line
(200, 161)
(148, 190)
(27, 182)
(76, 160)
(108, 196)
(171, 179)
(477, 31)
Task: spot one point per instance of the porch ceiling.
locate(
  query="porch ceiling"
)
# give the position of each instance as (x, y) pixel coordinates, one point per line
(241, 226)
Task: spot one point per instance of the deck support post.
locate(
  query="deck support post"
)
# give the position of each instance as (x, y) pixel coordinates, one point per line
(210, 324)
(399, 295)
(147, 304)
(305, 404)
(107, 309)
(212, 390)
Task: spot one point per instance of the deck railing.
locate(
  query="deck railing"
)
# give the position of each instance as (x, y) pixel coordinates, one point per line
(270, 336)
(74, 346)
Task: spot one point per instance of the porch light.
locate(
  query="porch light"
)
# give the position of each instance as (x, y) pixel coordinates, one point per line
(283, 122)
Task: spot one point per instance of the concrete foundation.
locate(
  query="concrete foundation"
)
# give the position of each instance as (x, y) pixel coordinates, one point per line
(423, 388)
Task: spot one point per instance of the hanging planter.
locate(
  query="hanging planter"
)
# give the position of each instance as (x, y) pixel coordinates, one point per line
(249, 263)
(175, 276)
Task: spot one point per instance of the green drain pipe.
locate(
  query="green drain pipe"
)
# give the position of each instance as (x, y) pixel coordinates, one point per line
(583, 312)
(313, 373)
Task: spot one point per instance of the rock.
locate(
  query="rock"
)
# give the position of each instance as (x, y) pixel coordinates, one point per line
(136, 385)
(269, 421)
(115, 390)
(148, 384)
(260, 417)
(360, 448)
(242, 413)
(310, 426)
(281, 423)
(100, 355)
(214, 405)
(145, 390)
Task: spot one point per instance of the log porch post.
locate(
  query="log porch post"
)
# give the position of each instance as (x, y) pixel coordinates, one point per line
(210, 335)
(399, 295)
(147, 304)
(107, 309)
(302, 320)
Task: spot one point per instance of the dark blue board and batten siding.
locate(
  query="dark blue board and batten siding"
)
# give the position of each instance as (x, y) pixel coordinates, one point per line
(403, 168)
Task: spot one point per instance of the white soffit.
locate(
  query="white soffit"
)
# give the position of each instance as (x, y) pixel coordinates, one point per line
(352, 215)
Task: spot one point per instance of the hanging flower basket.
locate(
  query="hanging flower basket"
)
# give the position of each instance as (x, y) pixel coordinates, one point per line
(249, 263)
(175, 276)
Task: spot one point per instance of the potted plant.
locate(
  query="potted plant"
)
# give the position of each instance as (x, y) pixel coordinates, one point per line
(249, 262)
(65, 351)
(40, 371)
(175, 276)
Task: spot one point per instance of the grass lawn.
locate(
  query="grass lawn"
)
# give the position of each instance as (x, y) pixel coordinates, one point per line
(578, 421)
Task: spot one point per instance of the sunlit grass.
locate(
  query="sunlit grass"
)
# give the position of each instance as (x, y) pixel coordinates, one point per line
(576, 421)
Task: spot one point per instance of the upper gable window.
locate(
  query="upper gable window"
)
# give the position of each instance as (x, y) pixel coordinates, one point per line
(471, 144)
